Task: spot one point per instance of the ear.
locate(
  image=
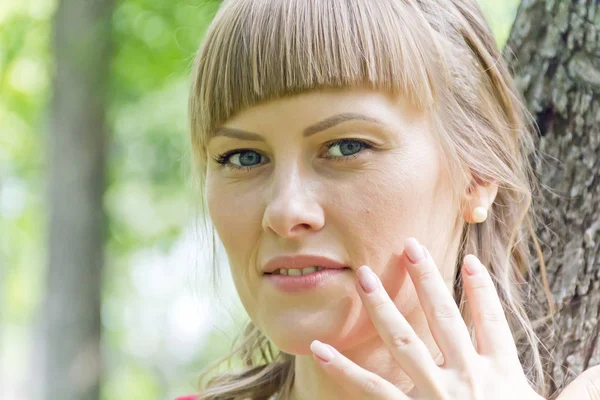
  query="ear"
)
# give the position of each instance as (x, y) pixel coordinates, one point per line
(478, 194)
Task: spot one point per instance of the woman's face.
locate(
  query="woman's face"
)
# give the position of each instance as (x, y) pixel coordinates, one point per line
(347, 175)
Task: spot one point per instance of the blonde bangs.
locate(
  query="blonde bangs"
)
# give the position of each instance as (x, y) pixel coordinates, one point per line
(258, 50)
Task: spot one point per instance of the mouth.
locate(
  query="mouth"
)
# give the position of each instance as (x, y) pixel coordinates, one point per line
(301, 280)
(301, 265)
(300, 271)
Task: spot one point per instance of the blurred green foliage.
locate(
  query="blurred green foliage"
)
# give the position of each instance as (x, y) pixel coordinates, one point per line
(148, 198)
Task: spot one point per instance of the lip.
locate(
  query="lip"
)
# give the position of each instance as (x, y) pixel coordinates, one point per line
(296, 284)
(301, 261)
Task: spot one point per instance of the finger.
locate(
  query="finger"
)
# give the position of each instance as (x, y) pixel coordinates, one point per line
(585, 387)
(404, 344)
(445, 321)
(494, 337)
(356, 380)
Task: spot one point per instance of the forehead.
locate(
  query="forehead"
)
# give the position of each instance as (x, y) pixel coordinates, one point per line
(301, 111)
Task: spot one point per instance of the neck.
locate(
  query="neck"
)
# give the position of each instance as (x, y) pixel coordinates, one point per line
(311, 382)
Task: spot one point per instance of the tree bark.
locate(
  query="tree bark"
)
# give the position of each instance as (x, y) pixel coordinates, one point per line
(71, 311)
(554, 51)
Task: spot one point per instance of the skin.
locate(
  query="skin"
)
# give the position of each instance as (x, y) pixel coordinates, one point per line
(301, 195)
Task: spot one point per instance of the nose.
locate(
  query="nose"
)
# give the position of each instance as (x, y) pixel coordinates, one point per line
(292, 208)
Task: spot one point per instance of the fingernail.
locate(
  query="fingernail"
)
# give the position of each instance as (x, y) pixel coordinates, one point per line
(414, 250)
(322, 351)
(472, 264)
(367, 279)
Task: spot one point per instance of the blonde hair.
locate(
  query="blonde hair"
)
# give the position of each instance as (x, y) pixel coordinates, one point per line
(441, 55)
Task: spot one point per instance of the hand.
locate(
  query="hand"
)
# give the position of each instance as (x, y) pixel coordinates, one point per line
(492, 371)
(585, 387)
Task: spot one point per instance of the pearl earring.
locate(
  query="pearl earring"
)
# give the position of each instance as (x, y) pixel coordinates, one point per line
(479, 214)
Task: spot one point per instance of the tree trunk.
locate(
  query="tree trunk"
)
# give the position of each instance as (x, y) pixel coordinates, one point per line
(71, 311)
(554, 50)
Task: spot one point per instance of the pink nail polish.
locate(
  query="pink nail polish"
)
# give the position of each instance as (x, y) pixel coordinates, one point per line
(472, 264)
(367, 279)
(322, 351)
(414, 250)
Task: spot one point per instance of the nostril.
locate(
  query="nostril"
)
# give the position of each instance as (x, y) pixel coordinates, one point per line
(300, 228)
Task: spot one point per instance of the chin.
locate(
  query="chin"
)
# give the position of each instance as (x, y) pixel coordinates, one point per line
(296, 339)
(293, 327)
(296, 348)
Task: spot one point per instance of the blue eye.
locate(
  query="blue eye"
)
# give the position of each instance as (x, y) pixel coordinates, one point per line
(245, 158)
(238, 159)
(346, 147)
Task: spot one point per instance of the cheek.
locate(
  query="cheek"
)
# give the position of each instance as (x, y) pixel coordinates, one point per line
(390, 201)
(235, 211)
(239, 230)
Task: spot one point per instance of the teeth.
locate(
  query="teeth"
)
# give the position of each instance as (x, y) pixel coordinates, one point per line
(298, 271)
(309, 270)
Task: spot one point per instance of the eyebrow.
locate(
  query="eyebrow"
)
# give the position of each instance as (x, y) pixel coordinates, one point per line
(327, 123)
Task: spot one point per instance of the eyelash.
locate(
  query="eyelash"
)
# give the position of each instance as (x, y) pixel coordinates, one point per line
(223, 159)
